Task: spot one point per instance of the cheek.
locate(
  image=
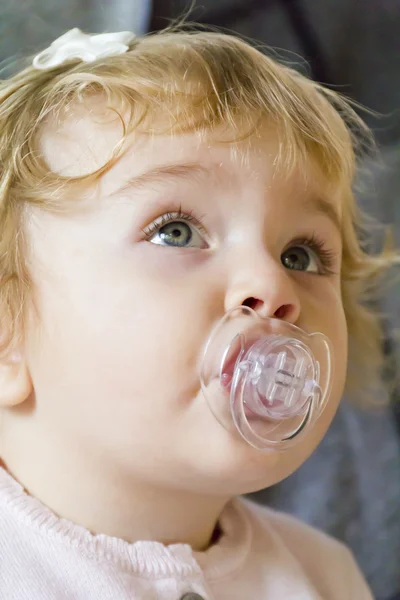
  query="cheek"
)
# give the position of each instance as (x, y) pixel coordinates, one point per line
(336, 326)
(119, 331)
(324, 312)
(336, 329)
(322, 305)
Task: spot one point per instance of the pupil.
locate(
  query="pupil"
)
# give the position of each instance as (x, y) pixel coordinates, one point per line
(297, 259)
(176, 234)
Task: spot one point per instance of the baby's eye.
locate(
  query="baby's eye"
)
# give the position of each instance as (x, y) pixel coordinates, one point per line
(312, 255)
(300, 258)
(176, 231)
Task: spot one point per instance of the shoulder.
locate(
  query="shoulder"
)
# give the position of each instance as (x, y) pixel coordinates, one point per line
(290, 530)
(323, 560)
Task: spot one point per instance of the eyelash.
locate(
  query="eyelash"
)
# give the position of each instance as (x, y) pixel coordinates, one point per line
(169, 217)
(326, 256)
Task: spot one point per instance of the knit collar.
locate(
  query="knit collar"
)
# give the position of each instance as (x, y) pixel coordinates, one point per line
(144, 558)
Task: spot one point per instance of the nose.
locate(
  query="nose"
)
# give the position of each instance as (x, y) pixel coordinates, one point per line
(264, 284)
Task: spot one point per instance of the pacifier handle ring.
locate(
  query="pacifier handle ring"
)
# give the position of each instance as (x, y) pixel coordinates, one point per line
(301, 426)
(287, 438)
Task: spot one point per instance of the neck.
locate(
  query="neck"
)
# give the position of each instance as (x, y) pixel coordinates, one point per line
(111, 502)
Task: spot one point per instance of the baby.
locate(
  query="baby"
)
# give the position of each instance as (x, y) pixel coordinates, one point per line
(180, 275)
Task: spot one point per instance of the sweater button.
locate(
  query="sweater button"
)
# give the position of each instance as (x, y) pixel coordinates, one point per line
(192, 596)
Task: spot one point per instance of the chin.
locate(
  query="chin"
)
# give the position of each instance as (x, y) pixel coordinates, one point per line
(230, 466)
(233, 467)
(224, 463)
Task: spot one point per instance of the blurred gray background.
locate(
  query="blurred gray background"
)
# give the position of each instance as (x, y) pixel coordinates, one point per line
(351, 486)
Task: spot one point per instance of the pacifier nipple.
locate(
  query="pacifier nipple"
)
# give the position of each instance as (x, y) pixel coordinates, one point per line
(279, 377)
(264, 377)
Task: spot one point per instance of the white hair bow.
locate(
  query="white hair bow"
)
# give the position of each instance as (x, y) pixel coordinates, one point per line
(77, 45)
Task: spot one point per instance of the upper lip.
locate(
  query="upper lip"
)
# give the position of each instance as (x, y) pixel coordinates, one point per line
(238, 348)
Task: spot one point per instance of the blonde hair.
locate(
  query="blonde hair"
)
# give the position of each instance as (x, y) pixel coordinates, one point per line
(200, 80)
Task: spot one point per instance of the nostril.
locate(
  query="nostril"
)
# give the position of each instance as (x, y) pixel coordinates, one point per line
(253, 303)
(282, 311)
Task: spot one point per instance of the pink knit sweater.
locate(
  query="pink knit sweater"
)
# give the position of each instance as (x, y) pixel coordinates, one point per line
(261, 555)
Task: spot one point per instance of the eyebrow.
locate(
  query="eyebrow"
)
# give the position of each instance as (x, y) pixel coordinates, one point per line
(319, 205)
(183, 171)
(194, 170)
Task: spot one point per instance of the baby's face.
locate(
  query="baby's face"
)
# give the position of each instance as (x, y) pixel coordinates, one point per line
(129, 285)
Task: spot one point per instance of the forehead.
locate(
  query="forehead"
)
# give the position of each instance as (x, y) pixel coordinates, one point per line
(83, 139)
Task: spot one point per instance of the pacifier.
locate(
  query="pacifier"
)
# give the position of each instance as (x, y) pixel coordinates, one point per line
(265, 378)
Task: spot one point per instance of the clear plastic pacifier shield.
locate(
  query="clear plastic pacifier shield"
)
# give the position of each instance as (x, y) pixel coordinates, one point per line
(265, 378)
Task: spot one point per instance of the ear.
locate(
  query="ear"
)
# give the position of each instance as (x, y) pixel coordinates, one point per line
(15, 380)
